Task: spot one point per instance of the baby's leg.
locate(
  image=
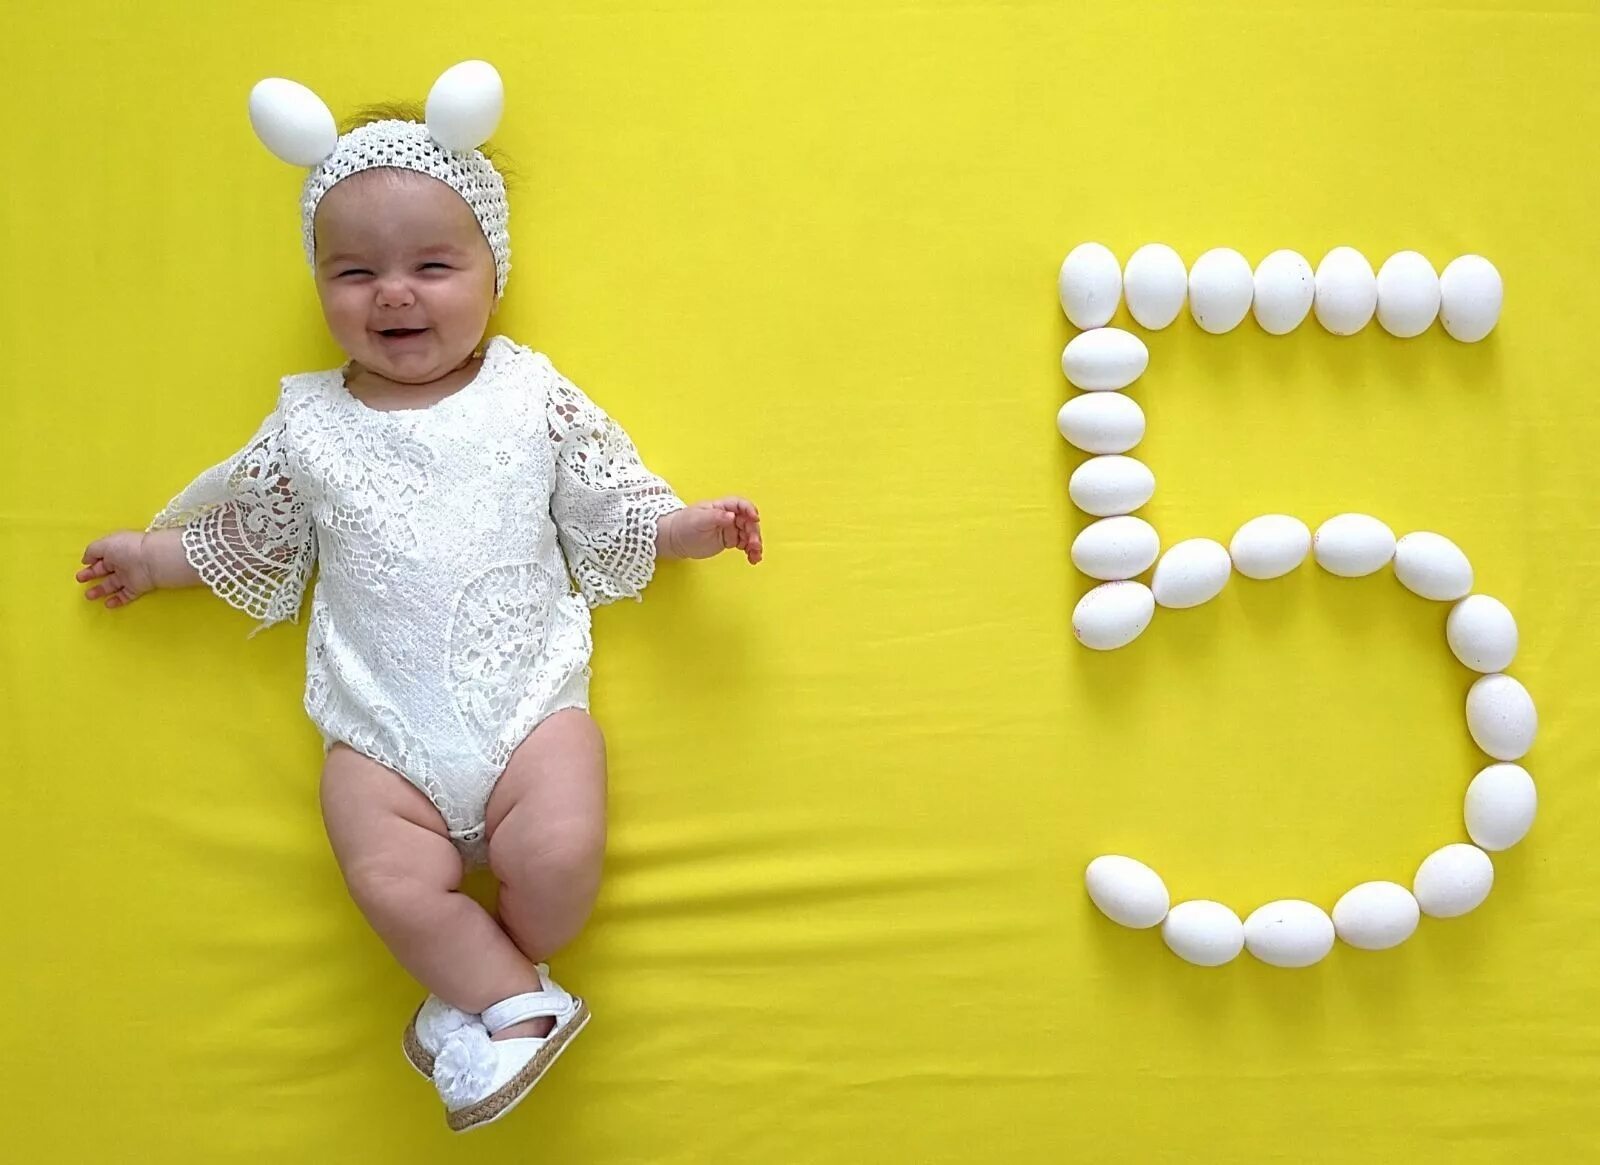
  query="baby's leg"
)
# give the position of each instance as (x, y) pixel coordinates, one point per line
(547, 833)
(404, 873)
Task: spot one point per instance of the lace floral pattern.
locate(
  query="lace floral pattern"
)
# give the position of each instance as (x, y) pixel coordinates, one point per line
(606, 503)
(375, 729)
(445, 621)
(247, 529)
(368, 480)
(498, 635)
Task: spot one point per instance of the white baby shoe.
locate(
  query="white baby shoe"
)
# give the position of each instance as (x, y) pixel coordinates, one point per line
(479, 1079)
(434, 1022)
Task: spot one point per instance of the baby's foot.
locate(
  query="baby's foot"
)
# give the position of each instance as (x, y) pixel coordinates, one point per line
(481, 1079)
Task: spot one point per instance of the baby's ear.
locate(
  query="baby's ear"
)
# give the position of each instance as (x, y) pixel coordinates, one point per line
(465, 104)
(292, 121)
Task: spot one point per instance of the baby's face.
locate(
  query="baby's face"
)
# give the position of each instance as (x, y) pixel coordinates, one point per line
(405, 275)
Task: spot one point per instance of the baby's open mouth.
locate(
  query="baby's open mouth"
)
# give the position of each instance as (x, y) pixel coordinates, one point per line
(400, 333)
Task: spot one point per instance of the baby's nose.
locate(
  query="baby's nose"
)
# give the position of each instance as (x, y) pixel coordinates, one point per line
(394, 293)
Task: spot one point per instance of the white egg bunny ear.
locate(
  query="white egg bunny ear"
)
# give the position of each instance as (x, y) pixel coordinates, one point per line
(292, 121)
(465, 104)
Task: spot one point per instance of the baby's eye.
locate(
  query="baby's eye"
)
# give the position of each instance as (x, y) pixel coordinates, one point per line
(353, 271)
(435, 264)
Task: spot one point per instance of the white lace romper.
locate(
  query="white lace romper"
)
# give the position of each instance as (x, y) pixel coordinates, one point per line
(460, 548)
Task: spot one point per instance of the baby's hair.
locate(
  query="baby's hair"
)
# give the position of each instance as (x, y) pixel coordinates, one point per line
(413, 111)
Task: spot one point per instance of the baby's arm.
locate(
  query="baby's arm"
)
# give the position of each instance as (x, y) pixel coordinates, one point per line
(239, 528)
(129, 563)
(616, 518)
(706, 529)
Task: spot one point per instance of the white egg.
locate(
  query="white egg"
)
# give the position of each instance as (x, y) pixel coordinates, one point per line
(1500, 806)
(1453, 880)
(1102, 422)
(1105, 486)
(1284, 289)
(1127, 891)
(1204, 933)
(1289, 933)
(1190, 573)
(292, 121)
(1483, 633)
(1408, 294)
(1221, 287)
(1501, 717)
(1116, 548)
(1432, 566)
(1470, 295)
(1105, 359)
(1270, 546)
(465, 104)
(1090, 285)
(1347, 291)
(1113, 615)
(1155, 283)
(1375, 916)
(1353, 545)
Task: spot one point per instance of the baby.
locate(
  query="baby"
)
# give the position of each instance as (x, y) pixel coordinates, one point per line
(466, 505)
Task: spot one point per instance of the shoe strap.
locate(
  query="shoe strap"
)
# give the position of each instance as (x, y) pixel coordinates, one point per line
(521, 1008)
(552, 1002)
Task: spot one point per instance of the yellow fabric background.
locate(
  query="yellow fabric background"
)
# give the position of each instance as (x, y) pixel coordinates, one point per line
(808, 252)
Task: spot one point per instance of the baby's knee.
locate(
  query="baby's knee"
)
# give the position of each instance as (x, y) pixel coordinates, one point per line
(561, 850)
(381, 887)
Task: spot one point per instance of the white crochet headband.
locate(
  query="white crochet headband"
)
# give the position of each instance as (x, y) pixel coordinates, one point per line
(463, 109)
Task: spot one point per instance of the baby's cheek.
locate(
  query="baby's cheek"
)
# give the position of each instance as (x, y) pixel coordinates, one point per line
(470, 306)
(345, 309)
(330, 295)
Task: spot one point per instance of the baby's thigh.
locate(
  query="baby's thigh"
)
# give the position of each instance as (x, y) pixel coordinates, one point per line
(552, 794)
(381, 824)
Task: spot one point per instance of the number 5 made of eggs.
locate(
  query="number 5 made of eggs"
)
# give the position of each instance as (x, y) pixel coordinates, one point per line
(1406, 296)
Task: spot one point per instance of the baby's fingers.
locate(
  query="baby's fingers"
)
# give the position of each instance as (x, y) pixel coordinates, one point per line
(750, 541)
(736, 505)
(100, 590)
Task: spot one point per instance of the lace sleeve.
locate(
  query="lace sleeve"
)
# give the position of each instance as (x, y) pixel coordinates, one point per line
(606, 503)
(246, 531)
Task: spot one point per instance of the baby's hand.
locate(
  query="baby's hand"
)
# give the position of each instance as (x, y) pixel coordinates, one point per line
(706, 529)
(118, 567)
